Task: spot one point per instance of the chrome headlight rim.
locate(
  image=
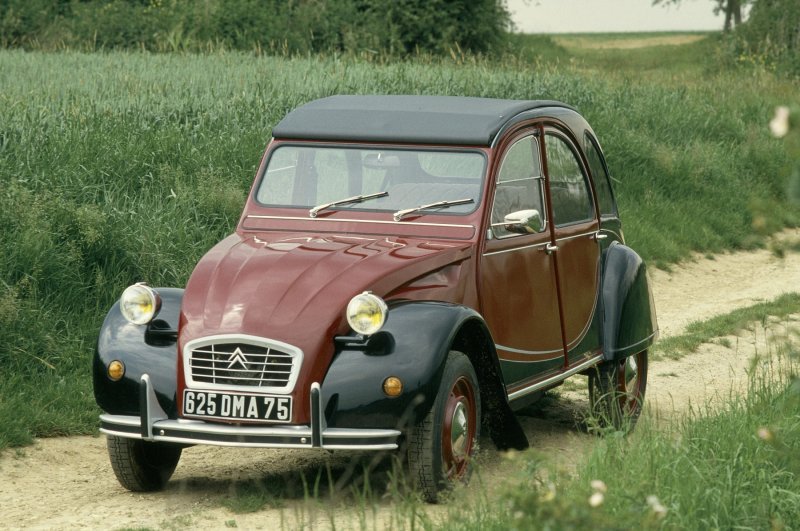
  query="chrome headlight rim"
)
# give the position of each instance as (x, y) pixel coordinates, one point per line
(139, 304)
(366, 313)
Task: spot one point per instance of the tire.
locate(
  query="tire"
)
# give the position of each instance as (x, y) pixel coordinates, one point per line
(142, 466)
(616, 391)
(441, 445)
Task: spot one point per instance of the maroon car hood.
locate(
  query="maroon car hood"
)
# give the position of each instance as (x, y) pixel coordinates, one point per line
(294, 288)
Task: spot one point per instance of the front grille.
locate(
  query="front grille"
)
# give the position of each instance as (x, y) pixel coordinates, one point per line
(241, 365)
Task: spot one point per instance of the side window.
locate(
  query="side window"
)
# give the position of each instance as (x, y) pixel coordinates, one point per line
(602, 183)
(569, 189)
(519, 184)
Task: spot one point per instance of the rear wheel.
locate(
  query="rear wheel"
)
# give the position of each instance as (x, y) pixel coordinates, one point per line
(616, 391)
(442, 444)
(142, 466)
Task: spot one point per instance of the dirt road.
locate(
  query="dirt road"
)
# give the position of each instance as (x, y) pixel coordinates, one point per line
(68, 482)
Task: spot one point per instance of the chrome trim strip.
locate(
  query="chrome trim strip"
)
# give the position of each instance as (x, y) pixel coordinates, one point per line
(645, 340)
(543, 244)
(240, 437)
(532, 246)
(617, 235)
(416, 223)
(575, 236)
(317, 416)
(531, 352)
(521, 179)
(295, 353)
(153, 412)
(251, 437)
(556, 378)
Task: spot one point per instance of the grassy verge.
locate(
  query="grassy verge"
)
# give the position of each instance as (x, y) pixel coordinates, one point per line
(122, 167)
(701, 332)
(738, 467)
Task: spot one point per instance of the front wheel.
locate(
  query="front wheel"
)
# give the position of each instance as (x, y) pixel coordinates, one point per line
(442, 444)
(142, 466)
(616, 391)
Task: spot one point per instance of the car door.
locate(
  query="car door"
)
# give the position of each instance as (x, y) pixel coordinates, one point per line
(577, 253)
(519, 295)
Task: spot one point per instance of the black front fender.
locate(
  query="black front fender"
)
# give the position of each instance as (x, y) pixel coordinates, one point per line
(143, 349)
(413, 346)
(630, 318)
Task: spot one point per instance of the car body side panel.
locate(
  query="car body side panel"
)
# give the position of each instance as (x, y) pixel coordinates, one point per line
(578, 259)
(630, 317)
(520, 304)
(142, 352)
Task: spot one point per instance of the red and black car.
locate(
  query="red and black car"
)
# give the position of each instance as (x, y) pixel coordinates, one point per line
(407, 270)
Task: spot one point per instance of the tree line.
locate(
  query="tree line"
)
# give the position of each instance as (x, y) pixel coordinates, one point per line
(292, 26)
(769, 34)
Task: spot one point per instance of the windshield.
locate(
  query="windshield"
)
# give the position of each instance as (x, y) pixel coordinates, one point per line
(318, 176)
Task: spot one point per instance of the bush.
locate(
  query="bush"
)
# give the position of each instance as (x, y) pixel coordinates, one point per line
(771, 36)
(276, 26)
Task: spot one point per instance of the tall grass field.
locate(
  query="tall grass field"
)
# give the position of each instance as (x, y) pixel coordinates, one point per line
(121, 167)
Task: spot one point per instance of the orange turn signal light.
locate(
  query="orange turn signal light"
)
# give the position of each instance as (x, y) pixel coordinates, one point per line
(392, 386)
(116, 370)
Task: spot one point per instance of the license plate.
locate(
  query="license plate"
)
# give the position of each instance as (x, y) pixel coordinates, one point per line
(237, 406)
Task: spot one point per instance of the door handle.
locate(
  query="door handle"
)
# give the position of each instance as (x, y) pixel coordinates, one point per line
(599, 236)
(551, 248)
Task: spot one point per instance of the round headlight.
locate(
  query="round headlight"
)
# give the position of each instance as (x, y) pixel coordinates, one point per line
(139, 304)
(366, 313)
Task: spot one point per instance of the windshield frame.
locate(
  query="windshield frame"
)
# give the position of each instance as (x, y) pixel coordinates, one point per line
(275, 145)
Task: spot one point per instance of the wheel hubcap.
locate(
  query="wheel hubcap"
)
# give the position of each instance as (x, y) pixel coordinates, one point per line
(459, 428)
(459, 432)
(629, 388)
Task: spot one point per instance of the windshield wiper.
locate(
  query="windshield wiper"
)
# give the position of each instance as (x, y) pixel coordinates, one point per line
(400, 214)
(355, 199)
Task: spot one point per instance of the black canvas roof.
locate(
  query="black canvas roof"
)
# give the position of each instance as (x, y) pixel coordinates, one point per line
(404, 119)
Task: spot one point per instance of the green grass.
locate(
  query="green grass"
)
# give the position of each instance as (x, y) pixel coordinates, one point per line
(123, 167)
(737, 467)
(700, 332)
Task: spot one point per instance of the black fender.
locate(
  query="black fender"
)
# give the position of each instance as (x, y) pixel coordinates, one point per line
(150, 349)
(629, 324)
(413, 345)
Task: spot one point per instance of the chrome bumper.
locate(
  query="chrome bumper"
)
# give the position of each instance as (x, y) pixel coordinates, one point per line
(153, 425)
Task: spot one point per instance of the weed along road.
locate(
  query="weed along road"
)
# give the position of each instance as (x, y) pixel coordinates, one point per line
(68, 483)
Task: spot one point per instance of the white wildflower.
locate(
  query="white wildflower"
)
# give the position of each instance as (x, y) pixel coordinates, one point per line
(596, 499)
(779, 125)
(655, 505)
(599, 486)
(765, 434)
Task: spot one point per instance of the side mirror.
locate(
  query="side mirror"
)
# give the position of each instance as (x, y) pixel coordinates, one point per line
(523, 222)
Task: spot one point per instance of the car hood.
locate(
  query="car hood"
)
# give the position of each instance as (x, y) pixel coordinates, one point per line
(294, 288)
